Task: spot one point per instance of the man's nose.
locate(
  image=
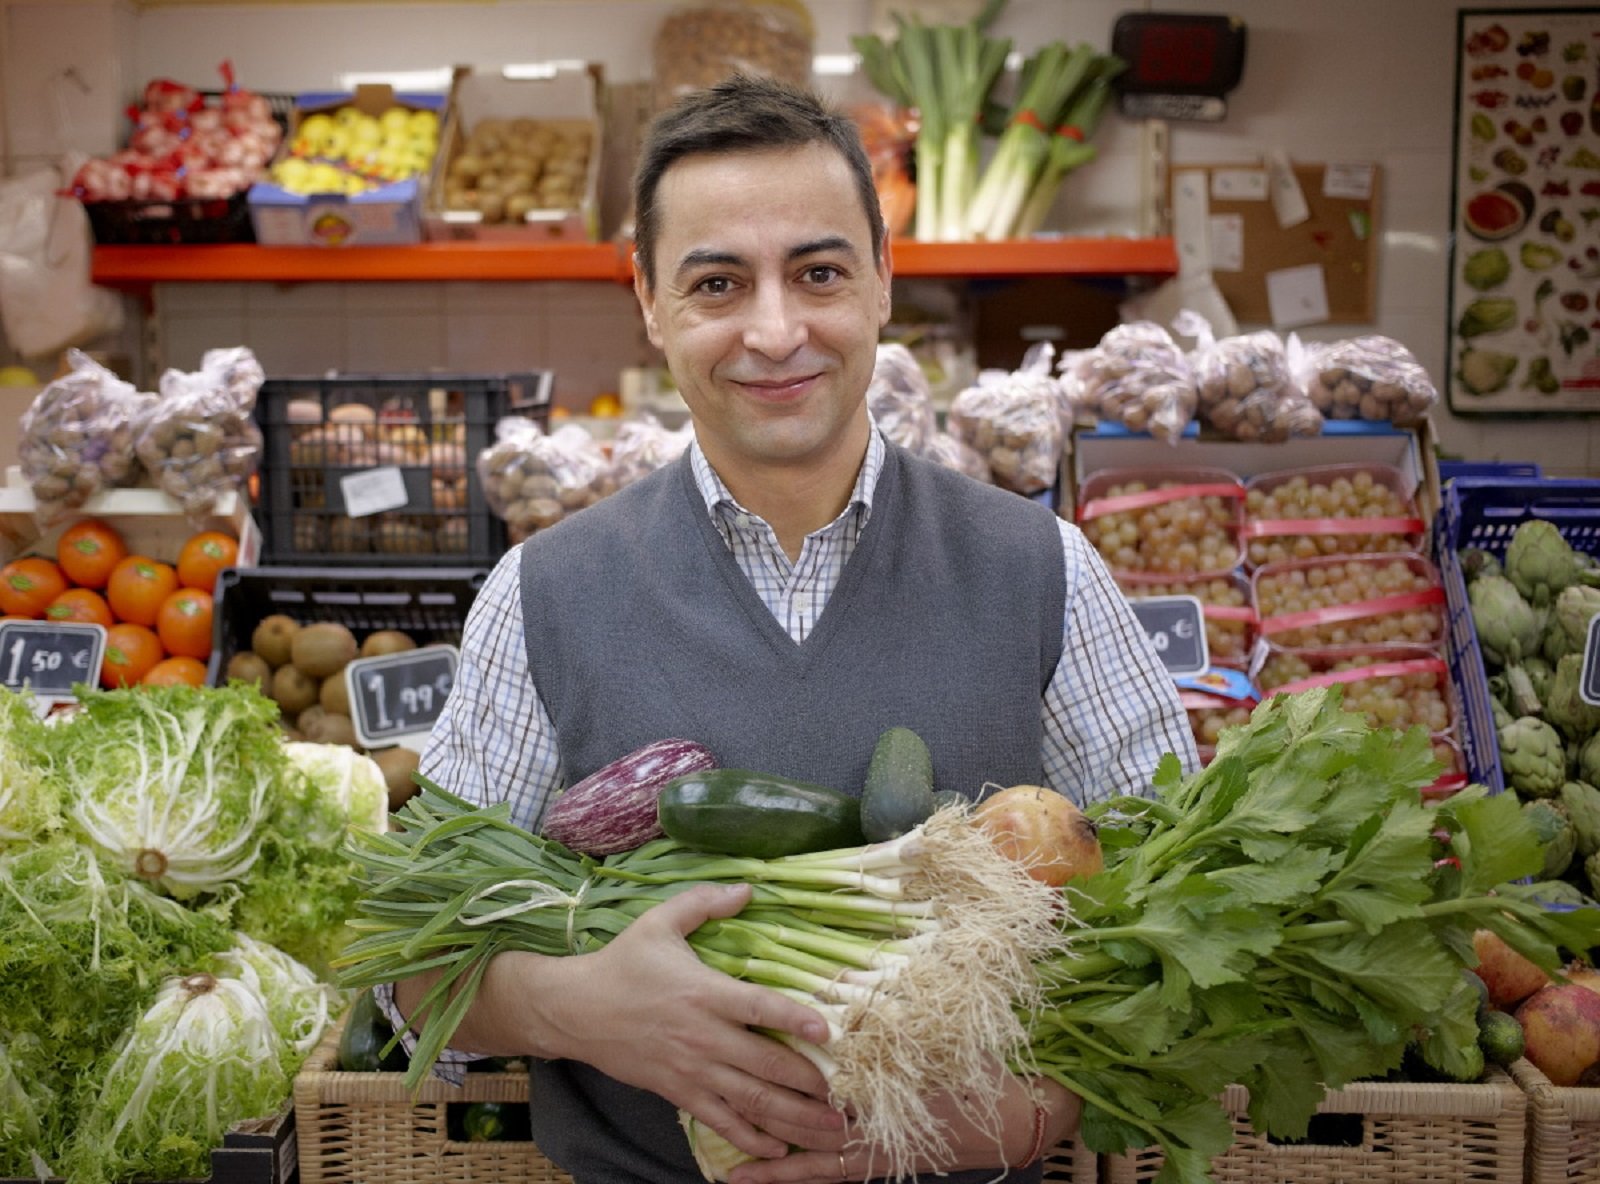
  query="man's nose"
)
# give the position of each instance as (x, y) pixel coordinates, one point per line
(775, 326)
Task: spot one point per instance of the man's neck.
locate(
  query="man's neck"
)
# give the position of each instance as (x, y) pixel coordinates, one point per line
(798, 499)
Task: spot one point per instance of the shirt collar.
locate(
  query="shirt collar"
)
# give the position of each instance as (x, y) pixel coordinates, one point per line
(716, 493)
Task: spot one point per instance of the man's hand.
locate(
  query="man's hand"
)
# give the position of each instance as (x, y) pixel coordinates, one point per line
(646, 1011)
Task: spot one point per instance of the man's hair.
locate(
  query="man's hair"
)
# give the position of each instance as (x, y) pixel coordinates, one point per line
(743, 114)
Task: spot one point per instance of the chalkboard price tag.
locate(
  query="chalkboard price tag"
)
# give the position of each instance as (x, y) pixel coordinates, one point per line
(1177, 626)
(1589, 687)
(399, 695)
(48, 657)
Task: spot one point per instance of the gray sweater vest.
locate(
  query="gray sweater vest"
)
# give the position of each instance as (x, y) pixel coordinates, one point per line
(640, 625)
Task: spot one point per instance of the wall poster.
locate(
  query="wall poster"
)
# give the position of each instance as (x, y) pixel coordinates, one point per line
(1524, 302)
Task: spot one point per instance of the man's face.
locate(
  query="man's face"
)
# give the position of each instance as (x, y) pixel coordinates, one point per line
(767, 302)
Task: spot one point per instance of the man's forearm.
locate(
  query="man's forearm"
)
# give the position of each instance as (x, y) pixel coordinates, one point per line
(503, 1020)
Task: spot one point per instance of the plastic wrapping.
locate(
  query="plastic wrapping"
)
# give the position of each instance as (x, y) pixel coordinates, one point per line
(945, 449)
(1137, 376)
(1366, 600)
(1350, 509)
(199, 440)
(900, 401)
(1368, 377)
(1013, 420)
(1394, 686)
(1244, 384)
(642, 446)
(701, 44)
(78, 437)
(533, 480)
(1164, 522)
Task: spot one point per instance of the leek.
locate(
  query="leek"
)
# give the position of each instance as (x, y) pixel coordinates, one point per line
(969, 63)
(1068, 149)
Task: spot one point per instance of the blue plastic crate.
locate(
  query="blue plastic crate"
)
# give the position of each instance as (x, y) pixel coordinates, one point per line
(1449, 470)
(1485, 512)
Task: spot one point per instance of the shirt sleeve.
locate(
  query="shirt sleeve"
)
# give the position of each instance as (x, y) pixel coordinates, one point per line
(1111, 710)
(493, 741)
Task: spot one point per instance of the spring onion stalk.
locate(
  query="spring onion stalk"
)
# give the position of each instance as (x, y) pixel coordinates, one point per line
(918, 953)
(969, 63)
(1023, 147)
(1068, 147)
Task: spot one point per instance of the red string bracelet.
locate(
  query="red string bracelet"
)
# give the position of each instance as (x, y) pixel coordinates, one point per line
(1037, 1148)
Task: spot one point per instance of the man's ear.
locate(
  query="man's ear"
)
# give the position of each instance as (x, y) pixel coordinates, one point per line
(647, 303)
(885, 279)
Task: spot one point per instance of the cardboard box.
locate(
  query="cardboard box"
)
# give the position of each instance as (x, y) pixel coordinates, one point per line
(565, 97)
(151, 522)
(383, 216)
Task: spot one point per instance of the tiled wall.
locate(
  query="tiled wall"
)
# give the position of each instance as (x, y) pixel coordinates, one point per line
(1324, 79)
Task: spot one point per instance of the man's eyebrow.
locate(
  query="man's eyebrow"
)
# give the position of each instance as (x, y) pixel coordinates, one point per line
(706, 257)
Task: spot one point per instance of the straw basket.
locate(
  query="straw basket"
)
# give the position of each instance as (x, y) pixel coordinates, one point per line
(1563, 1128)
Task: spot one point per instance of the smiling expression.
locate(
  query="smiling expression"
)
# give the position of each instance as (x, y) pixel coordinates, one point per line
(767, 304)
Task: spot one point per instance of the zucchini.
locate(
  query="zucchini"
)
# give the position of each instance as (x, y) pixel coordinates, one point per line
(898, 795)
(361, 1044)
(757, 815)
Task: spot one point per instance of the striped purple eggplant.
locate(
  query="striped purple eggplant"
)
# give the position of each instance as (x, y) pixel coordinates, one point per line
(614, 808)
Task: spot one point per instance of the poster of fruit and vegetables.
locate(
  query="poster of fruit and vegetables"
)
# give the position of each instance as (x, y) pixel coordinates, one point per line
(1525, 257)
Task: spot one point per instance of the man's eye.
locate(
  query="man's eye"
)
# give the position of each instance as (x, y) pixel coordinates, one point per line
(822, 273)
(715, 285)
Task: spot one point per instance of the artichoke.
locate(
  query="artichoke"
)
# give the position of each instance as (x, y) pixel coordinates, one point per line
(1539, 673)
(1564, 705)
(1582, 801)
(1589, 761)
(1555, 834)
(1534, 760)
(1509, 628)
(1591, 868)
(1541, 563)
(1475, 562)
(1568, 631)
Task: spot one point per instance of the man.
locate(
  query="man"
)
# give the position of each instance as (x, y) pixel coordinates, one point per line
(788, 591)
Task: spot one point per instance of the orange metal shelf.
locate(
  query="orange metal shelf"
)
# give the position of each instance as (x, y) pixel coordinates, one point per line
(245, 263)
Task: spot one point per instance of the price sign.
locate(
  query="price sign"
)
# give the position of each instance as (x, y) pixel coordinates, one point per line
(1589, 687)
(400, 694)
(48, 657)
(1177, 627)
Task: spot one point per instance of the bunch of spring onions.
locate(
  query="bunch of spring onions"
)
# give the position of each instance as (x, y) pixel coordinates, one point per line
(917, 951)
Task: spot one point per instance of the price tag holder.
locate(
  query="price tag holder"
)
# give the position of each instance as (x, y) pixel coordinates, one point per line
(1177, 627)
(48, 657)
(1589, 685)
(398, 696)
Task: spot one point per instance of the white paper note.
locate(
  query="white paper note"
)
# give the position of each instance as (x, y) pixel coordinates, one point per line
(1297, 296)
(1190, 214)
(1288, 202)
(1239, 185)
(373, 491)
(1353, 181)
(1227, 242)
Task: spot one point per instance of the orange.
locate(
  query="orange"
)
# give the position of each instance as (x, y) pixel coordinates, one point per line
(27, 586)
(80, 604)
(87, 552)
(137, 588)
(131, 652)
(173, 672)
(203, 556)
(183, 623)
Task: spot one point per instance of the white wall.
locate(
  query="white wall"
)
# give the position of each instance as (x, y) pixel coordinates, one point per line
(1324, 79)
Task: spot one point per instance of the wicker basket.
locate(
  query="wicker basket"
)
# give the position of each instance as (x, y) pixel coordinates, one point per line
(1563, 1128)
(361, 1127)
(1374, 1132)
(1071, 1163)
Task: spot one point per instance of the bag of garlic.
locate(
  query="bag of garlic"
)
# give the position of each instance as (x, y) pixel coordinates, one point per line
(1245, 387)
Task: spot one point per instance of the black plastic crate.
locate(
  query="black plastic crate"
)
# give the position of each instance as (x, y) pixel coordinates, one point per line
(406, 443)
(1485, 512)
(188, 220)
(429, 604)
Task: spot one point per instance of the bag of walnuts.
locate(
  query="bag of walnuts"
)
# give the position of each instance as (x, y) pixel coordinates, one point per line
(533, 480)
(1245, 387)
(1369, 377)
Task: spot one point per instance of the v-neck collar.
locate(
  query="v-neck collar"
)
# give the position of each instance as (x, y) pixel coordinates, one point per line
(801, 655)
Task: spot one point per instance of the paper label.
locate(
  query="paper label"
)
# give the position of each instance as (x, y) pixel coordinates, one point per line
(1227, 242)
(1288, 202)
(1347, 180)
(1239, 185)
(1190, 215)
(373, 491)
(1297, 296)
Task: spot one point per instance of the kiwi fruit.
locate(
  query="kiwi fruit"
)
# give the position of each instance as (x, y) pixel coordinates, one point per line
(310, 720)
(273, 639)
(249, 666)
(334, 729)
(386, 641)
(335, 695)
(321, 649)
(294, 689)
(397, 764)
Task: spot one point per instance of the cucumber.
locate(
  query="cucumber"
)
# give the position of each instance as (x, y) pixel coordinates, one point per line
(361, 1043)
(757, 815)
(898, 795)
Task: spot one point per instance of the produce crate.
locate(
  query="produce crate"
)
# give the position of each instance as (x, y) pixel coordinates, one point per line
(189, 219)
(396, 451)
(1563, 1128)
(257, 1151)
(1071, 1163)
(360, 1127)
(1374, 1132)
(1484, 512)
(429, 604)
